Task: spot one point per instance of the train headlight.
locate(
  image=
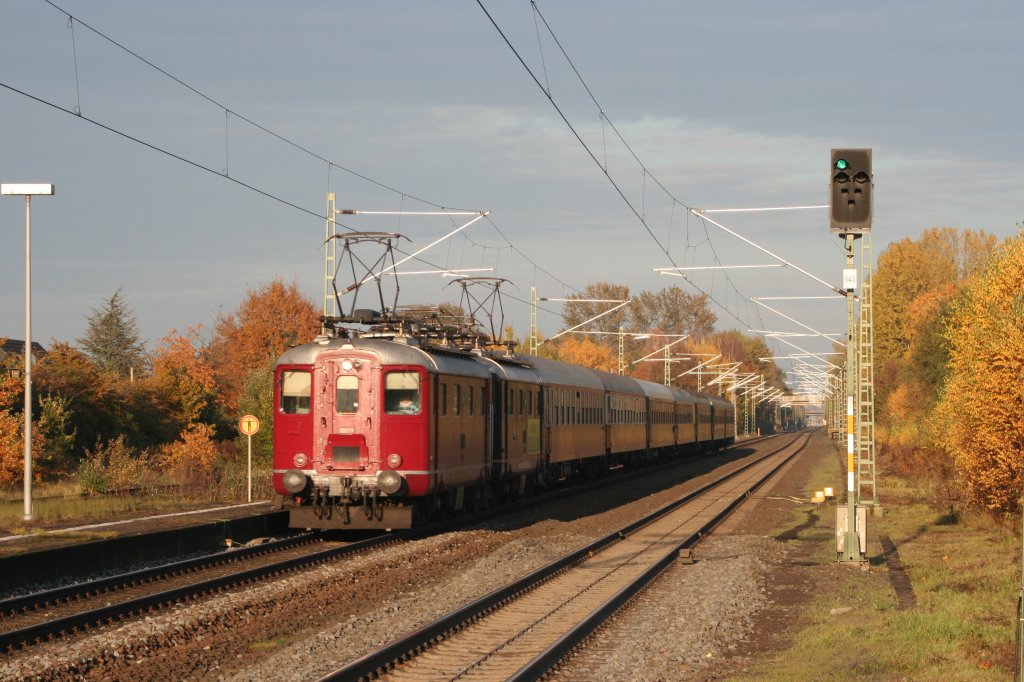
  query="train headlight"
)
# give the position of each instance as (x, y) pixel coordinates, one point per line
(390, 482)
(394, 460)
(300, 460)
(346, 365)
(294, 481)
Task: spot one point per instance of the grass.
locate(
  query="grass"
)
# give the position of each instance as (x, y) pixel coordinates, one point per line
(965, 572)
(65, 504)
(50, 510)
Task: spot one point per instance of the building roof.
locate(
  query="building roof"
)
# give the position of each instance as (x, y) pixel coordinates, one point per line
(16, 348)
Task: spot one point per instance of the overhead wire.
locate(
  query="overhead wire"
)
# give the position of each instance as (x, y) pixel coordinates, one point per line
(646, 172)
(228, 113)
(615, 185)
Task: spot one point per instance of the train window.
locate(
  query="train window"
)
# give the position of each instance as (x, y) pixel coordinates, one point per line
(346, 396)
(522, 403)
(470, 401)
(402, 393)
(296, 392)
(442, 399)
(457, 402)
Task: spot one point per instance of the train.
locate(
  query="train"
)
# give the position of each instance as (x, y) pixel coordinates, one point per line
(384, 431)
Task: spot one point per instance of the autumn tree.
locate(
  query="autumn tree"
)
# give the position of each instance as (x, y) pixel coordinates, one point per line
(672, 311)
(907, 270)
(577, 312)
(700, 350)
(112, 339)
(584, 352)
(12, 447)
(183, 376)
(270, 318)
(96, 404)
(981, 412)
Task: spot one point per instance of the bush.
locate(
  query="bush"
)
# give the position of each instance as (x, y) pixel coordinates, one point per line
(192, 460)
(114, 466)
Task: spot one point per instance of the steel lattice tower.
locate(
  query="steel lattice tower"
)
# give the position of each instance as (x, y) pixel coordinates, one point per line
(866, 382)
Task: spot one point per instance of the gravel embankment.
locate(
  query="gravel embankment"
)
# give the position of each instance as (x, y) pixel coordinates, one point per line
(306, 624)
(688, 621)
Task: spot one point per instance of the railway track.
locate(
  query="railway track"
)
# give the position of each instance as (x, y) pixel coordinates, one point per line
(524, 629)
(38, 617)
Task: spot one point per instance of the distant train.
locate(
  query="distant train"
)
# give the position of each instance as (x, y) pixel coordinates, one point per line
(381, 431)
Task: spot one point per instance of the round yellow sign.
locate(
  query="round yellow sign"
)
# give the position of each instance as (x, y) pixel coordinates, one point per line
(248, 425)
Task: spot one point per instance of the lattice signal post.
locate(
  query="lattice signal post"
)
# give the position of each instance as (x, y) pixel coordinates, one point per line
(850, 209)
(866, 383)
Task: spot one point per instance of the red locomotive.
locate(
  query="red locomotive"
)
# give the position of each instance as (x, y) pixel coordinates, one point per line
(378, 431)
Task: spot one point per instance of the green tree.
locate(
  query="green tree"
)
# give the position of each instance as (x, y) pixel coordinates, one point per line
(112, 338)
(54, 437)
(258, 399)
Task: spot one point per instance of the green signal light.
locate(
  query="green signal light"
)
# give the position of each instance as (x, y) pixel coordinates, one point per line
(841, 164)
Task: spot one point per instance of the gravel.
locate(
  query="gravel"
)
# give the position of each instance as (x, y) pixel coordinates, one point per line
(309, 623)
(688, 621)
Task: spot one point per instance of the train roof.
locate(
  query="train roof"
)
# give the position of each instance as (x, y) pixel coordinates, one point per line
(713, 399)
(682, 395)
(657, 391)
(392, 352)
(555, 372)
(621, 384)
(513, 369)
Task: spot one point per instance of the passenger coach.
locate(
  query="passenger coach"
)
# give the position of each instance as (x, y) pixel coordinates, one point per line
(370, 431)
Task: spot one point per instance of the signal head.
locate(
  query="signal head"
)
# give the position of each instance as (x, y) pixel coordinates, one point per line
(850, 190)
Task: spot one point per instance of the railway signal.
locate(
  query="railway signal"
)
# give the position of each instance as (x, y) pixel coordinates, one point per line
(849, 202)
(850, 185)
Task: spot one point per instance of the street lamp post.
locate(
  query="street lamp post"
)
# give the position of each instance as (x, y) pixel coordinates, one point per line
(28, 190)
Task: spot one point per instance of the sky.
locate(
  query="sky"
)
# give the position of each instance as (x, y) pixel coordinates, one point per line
(586, 130)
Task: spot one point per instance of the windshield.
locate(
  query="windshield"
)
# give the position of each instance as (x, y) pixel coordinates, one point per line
(402, 393)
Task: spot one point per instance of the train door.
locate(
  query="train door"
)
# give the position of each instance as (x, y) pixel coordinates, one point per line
(549, 415)
(533, 436)
(440, 404)
(609, 417)
(345, 437)
(498, 427)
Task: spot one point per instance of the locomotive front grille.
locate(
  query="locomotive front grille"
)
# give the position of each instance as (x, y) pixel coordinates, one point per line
(345, 454)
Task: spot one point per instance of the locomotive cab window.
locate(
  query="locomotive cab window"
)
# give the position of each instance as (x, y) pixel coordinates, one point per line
(296, 391)
(402, 393)
(346, 397)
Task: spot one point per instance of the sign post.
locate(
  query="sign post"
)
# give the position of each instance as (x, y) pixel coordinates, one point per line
(249, 426)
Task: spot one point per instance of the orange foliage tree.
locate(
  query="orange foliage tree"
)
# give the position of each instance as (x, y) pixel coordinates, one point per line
(909, 273)
(12, 460)
(193, 455)
(981, 412)
(586, 353)
(185, 379)
(271, 318)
